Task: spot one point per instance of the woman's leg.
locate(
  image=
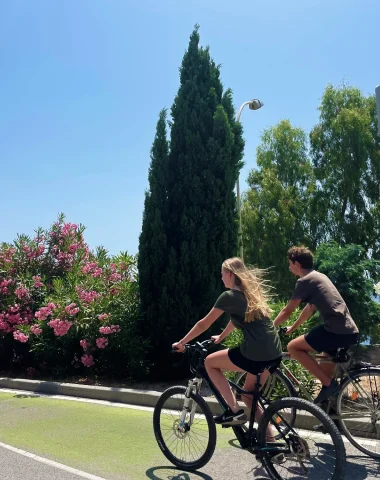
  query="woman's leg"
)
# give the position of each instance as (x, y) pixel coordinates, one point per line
(299, 349)
(215, 363)
(249, 385)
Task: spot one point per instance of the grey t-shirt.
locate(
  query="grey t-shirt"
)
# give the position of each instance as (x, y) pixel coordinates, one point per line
(261, 341)
(317, 289)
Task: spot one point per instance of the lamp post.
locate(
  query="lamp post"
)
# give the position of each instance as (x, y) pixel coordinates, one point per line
(254, 104)
(377, 90)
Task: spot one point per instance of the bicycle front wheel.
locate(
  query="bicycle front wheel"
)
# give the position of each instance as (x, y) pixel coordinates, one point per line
(358, 406)
(191, 445)
(301, 452)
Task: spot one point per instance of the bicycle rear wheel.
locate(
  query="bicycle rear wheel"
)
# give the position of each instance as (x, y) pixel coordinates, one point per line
(188, 447)
(301, 452)
(358, 403)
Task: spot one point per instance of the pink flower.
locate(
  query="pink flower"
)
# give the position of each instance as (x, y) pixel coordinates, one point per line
(37, 282)
(22, 293)
(109, 330)
(4, 284)
(35, 329)
(20, 337)
(84, 344)
(44, 312)
(114, 277)
(87, 360)
(61, 327)
(101, 342)
(103, 316)
(72, 309)
(87, 297)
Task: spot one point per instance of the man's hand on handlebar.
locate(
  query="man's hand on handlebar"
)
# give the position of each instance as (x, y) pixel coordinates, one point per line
(216, 339)
(286, 330)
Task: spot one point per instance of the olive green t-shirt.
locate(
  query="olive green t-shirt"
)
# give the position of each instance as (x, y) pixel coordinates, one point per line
(318, 290)
(261, 341)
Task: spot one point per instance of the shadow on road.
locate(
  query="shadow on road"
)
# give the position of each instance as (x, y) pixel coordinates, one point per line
(172, 473)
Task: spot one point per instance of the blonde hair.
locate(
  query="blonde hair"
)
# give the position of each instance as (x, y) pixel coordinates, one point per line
(256, 291)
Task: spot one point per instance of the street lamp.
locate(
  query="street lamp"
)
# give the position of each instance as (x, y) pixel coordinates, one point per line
(254, 104)
(377, 90)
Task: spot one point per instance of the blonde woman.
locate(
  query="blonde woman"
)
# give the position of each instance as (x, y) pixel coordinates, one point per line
(246, 302)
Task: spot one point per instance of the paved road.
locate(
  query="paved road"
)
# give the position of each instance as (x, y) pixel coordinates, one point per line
(227, 463)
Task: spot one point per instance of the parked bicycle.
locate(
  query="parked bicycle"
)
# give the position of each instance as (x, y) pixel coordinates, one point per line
(356, 407)
(186, 432)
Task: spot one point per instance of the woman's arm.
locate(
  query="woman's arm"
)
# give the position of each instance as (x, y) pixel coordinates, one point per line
(200, 327)
(219, 338)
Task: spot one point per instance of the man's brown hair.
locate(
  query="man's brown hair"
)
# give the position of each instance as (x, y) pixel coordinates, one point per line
(302, 255)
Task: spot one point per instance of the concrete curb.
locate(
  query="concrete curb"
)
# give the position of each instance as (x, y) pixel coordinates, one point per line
(146, 398)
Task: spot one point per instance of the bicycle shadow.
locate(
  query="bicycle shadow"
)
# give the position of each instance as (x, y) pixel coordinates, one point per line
(172, 473)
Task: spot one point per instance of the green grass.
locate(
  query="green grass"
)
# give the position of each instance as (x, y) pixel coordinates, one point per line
(112, 442)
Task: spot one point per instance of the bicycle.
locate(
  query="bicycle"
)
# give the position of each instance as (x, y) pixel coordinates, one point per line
(185, 430)
(358, 397)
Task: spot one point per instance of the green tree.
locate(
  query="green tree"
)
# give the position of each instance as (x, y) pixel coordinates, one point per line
(153, 240)
(276, 205)
(201, 230)
(346, 156)
(349, 268)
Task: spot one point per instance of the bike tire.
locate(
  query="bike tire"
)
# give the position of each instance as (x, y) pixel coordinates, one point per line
(207, 425)
(346, 402)
(314, 446)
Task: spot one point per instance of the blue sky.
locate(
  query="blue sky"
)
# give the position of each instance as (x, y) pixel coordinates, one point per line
(82, 83)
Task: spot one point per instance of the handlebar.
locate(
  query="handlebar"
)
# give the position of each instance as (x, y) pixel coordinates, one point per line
(198, 346)
(283, 330)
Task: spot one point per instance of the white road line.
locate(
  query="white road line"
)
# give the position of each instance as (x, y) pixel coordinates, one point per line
(51, 463)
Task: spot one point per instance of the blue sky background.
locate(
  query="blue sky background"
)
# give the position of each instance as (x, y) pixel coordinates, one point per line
(82, 83)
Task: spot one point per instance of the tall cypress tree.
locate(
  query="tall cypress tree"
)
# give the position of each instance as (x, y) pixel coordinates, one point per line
(206, 149)
(153, 241)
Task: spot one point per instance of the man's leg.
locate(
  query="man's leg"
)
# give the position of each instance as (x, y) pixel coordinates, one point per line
(300, 349)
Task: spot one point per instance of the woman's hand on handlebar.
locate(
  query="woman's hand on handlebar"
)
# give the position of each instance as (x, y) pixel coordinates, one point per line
(178, 347)
(286, 330)
(216, 339)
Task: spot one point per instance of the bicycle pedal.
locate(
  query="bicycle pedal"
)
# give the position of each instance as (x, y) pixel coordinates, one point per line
(226, 425)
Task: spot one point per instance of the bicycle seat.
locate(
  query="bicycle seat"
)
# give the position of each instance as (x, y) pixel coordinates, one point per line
(340, 355)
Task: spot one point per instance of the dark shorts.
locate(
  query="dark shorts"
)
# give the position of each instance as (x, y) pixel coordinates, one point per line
(251, 366)
(321, 340)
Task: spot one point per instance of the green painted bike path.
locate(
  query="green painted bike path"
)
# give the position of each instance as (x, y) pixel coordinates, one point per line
(114, 443)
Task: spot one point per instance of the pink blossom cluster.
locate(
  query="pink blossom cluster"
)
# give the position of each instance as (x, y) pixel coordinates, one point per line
(61, 327)
(34, 251)
(84, 344)
(114, 277)
(93, 268)
(87, 296)
(65, 259)
(22, 293)
(74, 247)
(20, 337)
(44, 312)
(109, 330)
(4, 284)
(14, 316)
(36, 329)
(101, 342)
(103, 316)
(87, 360)
(72, 309)
(6, 256)
(37, 281)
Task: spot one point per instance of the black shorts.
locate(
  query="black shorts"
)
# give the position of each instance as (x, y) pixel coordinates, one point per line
(251, 366)
(321, 340)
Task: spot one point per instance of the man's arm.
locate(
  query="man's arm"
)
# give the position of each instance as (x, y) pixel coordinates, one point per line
(286, 312)
(306, 313)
